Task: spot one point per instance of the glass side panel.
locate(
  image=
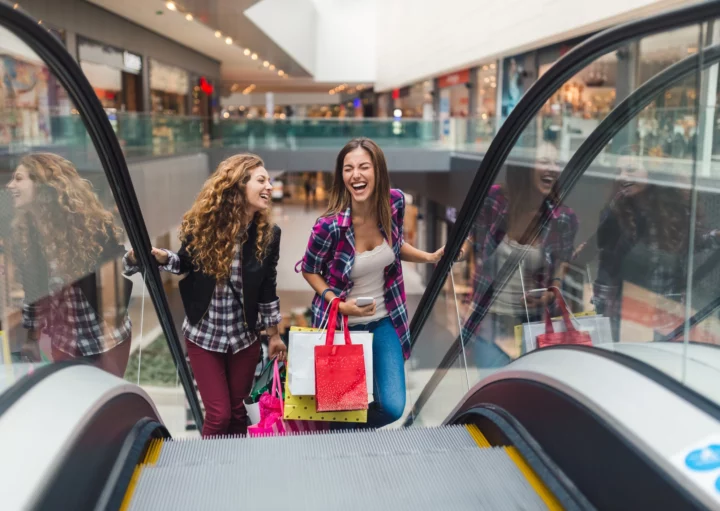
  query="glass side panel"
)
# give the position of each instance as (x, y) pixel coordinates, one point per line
(612, 248)
(65, 292)
(613, 238)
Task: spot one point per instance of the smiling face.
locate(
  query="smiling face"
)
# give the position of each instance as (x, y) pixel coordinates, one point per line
(22, 188)
(633, 177)
(547, 170)
(257, 190)
(359, 175)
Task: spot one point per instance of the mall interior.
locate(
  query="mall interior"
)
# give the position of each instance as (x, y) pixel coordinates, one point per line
(561, 349)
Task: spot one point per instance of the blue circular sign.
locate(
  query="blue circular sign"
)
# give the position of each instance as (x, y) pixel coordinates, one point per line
(704, 459)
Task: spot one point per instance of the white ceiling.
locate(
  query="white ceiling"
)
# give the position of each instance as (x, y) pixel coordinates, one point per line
(236, 67)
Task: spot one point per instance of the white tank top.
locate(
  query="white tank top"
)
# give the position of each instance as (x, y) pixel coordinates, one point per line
(368, 276)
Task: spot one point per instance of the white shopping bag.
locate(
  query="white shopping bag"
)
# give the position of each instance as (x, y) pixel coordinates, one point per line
(301, 354)
(253, 411)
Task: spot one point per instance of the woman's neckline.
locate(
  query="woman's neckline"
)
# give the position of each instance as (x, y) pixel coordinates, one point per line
(374, 250)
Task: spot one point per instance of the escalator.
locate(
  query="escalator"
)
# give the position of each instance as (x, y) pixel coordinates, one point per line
(564, 427)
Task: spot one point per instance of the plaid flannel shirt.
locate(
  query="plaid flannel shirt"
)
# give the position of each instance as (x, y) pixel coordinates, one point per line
(223, 326)
(67, 317)
(331, 254)
(556, 239)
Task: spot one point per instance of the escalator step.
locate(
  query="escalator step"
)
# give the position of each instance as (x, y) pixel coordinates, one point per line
(443, 479)
(327, 445)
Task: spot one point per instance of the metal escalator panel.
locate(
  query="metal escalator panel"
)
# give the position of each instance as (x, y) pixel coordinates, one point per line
(451, 467)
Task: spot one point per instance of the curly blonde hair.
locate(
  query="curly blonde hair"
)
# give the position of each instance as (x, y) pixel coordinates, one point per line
(67, 214)
(217, 219)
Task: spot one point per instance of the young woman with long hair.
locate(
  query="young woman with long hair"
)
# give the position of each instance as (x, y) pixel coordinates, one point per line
(499, 230)
(62, 235)
(230, 250)
(355, 250)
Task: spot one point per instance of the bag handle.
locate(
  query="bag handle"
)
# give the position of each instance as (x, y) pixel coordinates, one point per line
(276, 386)
(569, 326)
(332, 325)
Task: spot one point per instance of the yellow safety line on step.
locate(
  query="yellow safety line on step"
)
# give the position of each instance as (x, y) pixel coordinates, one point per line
(477, 436)
(543, 491)
(152, 454)
(131, 488)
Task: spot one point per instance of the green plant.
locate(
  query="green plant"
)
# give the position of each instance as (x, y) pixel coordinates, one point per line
(157, 367)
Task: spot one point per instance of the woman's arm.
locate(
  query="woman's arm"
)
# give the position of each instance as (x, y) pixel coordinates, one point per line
(167, 260)
(410, 254)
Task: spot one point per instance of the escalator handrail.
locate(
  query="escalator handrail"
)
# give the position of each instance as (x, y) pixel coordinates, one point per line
(518, 119)
(70, 75)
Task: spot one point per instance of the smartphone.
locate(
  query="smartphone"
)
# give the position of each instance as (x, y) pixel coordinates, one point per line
(364, 301)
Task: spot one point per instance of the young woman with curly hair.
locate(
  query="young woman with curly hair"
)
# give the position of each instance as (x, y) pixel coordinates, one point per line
(643, 239)
(230, 249)
(62, 235)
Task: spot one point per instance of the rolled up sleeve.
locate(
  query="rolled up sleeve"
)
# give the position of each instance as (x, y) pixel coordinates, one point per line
(319, 248)
(172, 266)
(270, 313)
(32, 317)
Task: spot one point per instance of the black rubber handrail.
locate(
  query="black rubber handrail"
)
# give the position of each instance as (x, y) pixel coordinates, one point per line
(530, 104)
(71, 77)
(510, 131)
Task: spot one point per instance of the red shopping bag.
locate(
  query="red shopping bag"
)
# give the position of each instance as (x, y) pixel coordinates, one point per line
(340, 380)
(570, 336)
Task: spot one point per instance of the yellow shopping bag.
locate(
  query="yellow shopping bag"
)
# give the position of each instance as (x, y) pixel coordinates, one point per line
(305, 407)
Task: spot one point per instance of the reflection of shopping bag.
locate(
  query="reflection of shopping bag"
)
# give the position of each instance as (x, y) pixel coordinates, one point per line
(340, 382)
(301, 351)
(570, 336)
(597, 327)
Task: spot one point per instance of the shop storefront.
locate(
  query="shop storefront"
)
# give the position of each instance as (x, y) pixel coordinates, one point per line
(485, 114)
(416, 101)
(31, 100)
(114, 74)
(169, 89)
(454, 90)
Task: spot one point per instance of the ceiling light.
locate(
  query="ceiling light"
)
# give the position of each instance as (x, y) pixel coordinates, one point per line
(228, 40)
(218, 34)
(266, 64)
(332, 92)
(247, 51)
(171, 6)
(281, 72)
(189, 17)
(226, 115)
(272, 67)
(16, 6)
(254, 56)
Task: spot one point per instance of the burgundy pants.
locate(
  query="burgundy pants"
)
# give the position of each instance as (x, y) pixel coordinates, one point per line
(224, 381)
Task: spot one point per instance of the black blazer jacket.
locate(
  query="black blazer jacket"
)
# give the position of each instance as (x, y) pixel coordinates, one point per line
(259, 280)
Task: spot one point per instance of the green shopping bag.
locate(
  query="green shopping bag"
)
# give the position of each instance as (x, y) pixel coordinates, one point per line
(264, 381)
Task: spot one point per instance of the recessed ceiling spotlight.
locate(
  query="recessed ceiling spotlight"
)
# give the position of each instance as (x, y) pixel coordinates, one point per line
(254, 56)
(171, 6)
(189, 17)
(247, 51)
(228, 40)
(218, 34)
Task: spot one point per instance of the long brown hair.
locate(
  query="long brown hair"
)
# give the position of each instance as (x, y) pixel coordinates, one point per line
(217, 219)
(67, 214)
(340, 198)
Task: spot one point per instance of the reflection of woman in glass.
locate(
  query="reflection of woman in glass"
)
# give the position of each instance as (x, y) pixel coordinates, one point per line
(499, 230)
(643, 239)
(63, 235)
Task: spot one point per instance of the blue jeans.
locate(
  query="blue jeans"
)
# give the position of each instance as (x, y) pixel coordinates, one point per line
(388, 376)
